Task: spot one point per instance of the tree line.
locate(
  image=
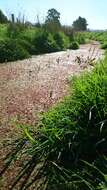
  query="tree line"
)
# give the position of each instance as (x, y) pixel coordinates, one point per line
(52, 21)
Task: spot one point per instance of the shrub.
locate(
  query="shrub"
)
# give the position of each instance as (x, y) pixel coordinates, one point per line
(53, 46)
(44, 42)
(80, 38)
(28, 34)
(27, 45)
(11, 50)
(41, 42)
(62, 40)
(26, 39)
(74, 45)
(66, 40)
(59, 40)
(104, 45)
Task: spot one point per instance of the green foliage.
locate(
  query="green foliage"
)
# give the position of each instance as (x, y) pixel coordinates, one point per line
(68, 147)
(40, 42)
(59, 40)
(97, 36)
(11, 50)
(104, 46)
(80, 38)
(26, 39)
(34, 40)
(66, 40)
(53, 46)
(80, 24)
(3, 31)
(28, 46)
(14, 29)
(44, 42)
(74, 45)
(28, 34)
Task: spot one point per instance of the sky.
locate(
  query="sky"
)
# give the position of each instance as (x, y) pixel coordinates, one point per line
(95, 11)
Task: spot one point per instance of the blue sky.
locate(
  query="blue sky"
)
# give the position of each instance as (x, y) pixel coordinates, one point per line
(95, 11)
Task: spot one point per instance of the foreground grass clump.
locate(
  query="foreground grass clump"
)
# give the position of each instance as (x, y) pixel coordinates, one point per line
(68, 150)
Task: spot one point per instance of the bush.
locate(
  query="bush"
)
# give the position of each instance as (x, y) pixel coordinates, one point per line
(66, 40)
(74, 45)
(27, 45)
(53, 46)
(104, 45)
(41, 42)
(59, 40)
(81, 39)
(26, 39)
(11, 50)
(28, 34)
(44, 42)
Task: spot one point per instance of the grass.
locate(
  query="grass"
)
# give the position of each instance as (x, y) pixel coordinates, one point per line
(98, 36)
(3, 31)
(68, 148)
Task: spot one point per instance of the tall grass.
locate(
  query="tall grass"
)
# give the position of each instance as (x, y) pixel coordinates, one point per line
(68, 148)
(98, 36)
(3, 31)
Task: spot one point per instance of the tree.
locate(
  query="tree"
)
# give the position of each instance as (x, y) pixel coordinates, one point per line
(3, 18)
(80, 24)
(52, 22)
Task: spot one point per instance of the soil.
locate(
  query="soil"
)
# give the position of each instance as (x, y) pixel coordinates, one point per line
(32, 86)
